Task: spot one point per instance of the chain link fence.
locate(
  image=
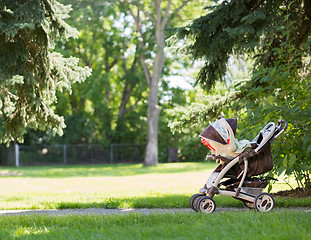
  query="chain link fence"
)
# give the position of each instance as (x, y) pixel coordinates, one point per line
(23, 155)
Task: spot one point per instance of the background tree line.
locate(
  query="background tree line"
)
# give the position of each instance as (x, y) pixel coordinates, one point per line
(123, 43)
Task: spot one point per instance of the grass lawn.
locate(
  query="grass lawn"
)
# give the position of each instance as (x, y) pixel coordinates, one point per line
(283, 224)
(112, 186)
(136, 186)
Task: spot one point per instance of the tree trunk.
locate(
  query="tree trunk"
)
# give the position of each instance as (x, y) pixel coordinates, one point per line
(151, 157)
(154, 110)
(160, 19)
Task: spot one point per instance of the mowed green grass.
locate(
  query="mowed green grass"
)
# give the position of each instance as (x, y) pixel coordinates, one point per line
(105, 186)
(112, 186)
(282, 224)
(136, 186)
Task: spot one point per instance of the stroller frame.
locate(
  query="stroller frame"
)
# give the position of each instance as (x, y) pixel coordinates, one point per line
(252, 197)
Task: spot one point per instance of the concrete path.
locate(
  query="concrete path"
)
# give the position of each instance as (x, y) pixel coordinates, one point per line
(102, 211)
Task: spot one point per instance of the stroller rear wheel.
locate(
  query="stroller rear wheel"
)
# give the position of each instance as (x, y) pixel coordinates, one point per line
(264, 202)
(205, 204)
(193, 201)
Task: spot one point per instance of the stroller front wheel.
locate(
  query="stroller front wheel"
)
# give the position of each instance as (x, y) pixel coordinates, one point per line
(206, 204)
(264, 202)
(193, 201)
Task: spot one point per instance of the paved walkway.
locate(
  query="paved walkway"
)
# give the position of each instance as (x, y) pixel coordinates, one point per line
(102, 211)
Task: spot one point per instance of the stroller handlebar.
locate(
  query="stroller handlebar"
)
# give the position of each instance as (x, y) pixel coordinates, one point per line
(280, 122)
(280, 128)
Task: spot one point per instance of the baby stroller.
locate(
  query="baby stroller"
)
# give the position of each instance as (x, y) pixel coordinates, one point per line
(240, 164)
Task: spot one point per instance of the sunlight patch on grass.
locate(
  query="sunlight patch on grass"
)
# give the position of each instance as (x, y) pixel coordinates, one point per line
(107, 169)
(165, 186)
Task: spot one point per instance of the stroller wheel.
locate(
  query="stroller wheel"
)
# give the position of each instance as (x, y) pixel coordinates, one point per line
(264, 202)
(206, 204)
(249, 205)
(193, 201)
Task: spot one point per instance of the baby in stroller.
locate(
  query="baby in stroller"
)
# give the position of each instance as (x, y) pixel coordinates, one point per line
(240, 163)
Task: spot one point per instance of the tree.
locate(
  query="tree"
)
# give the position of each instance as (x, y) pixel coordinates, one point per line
(277, 35)
(239, 27)
(31, 72)
(116, 86)
(152, 19)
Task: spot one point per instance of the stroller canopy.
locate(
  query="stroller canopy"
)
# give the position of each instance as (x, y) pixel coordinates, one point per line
(218, 133)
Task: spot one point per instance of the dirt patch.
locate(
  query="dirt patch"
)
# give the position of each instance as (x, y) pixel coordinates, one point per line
(296, 193)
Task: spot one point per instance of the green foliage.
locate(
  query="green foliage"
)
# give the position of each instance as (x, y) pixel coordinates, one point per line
(284, 92)
(239, 27)
(31, 72)
(189, 121)
(101, 45)
(203, 108)
(280, 83)
(111, 105)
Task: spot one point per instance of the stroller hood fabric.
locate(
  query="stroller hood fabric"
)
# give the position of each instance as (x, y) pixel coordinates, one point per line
(216, 131)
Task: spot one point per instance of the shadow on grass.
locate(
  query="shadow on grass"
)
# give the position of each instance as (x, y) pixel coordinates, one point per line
(175, 201)
(170, 201)
(103, 170)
